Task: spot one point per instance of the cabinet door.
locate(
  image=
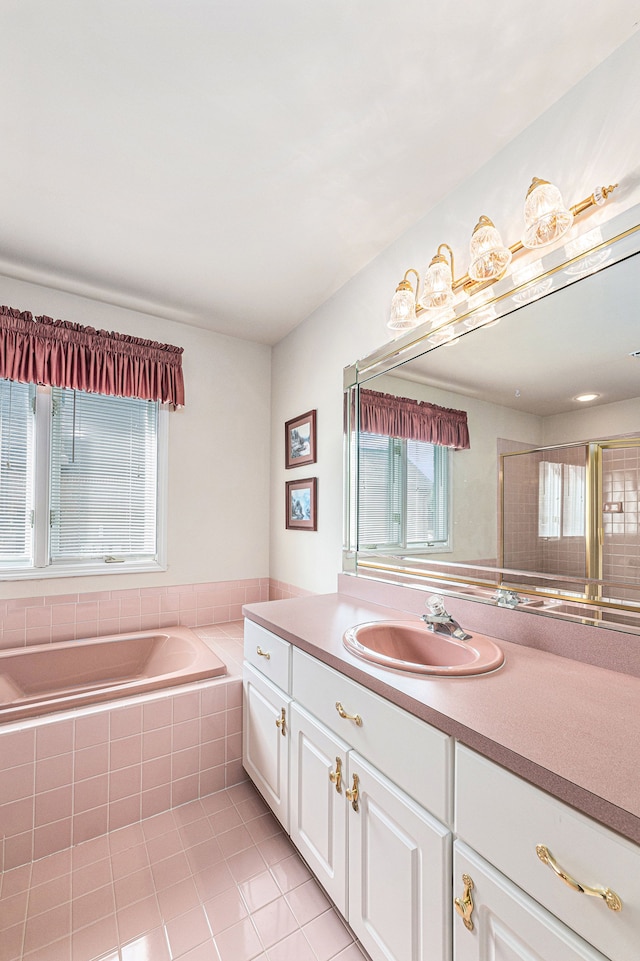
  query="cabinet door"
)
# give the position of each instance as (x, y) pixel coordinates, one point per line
(399, 872)
(265, 740)
(318, 811)
(507, 923)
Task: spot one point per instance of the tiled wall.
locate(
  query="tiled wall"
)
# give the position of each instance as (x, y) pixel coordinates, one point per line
(279, 591)
(621, 550)
(72, 778)
(40, 620)
(523, 548)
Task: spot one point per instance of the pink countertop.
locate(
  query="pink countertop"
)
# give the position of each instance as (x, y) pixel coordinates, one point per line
(570, 728)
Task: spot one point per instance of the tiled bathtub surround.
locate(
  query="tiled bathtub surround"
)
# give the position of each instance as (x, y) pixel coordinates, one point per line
(213, 880)
(68, 778)
(43, 619)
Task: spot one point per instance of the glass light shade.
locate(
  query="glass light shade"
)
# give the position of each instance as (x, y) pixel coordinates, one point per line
(489, 257)
(403, 309)
(437, 291)
(545, 216)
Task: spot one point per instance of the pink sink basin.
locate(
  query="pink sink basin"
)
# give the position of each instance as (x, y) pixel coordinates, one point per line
(409, 646)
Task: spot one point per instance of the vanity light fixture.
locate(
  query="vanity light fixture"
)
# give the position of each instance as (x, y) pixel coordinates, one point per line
(546, 220)
(545, 216)
(438, 281)
(489, 257)
(403, 305)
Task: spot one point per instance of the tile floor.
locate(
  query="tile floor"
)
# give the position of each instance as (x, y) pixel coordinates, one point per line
(213, 880)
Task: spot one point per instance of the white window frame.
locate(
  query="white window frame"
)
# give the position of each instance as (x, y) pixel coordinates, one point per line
(42, 568)
(417, 547)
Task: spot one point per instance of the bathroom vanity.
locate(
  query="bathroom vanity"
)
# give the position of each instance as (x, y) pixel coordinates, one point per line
(442, 815)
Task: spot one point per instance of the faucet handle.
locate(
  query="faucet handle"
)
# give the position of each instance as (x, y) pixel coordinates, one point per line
(435, 604)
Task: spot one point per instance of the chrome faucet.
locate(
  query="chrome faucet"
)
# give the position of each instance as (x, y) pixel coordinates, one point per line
(440, 621)
(505, 598)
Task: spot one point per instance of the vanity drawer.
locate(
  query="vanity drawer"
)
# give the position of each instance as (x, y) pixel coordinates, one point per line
(504, 818)
(411, 753)
(268, 653)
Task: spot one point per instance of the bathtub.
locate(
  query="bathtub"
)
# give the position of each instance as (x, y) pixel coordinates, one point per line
(55, 677)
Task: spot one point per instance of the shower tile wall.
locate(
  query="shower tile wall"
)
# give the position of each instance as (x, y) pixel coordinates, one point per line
(620, 483)
(523, 547)
(520, 542)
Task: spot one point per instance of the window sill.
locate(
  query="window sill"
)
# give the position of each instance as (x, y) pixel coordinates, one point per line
(82, 570)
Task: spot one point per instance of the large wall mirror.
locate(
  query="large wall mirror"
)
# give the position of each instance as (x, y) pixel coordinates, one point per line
(542, 510)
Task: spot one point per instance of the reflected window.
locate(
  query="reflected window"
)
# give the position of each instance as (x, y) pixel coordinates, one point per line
(561, 493)
(403, 494)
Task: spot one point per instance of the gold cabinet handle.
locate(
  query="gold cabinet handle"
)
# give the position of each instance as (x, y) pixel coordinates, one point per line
(353, 793)
(610, 898)
(336, 776)
(262, 653)
(349, 717)
(281, 722)
(464, 905)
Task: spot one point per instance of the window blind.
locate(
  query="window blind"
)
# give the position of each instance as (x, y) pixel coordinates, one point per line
(103, 487)
(17, 448)
(427, 493)
(403, 493)
(380, 491)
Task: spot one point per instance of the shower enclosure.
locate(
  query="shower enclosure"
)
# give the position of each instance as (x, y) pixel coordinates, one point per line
(572, 511)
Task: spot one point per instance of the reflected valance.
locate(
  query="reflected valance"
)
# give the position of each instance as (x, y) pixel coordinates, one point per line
(40, 350)
(413, 420)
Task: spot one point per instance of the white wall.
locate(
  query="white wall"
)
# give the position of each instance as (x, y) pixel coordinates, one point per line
(590, 137)
(219, 448)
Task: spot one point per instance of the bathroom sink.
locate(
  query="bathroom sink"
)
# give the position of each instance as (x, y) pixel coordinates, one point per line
(410, 646)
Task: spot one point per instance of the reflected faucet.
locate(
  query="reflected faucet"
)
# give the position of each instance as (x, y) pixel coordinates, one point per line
(505, 598)
(440, 621)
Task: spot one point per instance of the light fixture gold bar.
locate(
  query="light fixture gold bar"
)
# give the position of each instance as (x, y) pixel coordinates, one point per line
(469, 285)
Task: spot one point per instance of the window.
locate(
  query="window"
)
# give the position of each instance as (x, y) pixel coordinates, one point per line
(561, 500)
(82, 479)
(403, 494)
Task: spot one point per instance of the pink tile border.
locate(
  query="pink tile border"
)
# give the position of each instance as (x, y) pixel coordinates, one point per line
(47, 619)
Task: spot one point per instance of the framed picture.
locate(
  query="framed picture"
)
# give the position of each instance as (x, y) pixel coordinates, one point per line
(300, 440)
(301, 504)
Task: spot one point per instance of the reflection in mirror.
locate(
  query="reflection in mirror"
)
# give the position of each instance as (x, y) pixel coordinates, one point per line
(545, 499)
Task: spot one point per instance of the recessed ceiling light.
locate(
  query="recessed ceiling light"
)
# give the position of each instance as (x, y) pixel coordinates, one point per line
(583, 398)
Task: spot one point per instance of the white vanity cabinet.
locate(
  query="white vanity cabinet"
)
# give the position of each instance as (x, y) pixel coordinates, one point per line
(522, 831)
(355, 799)
(265, 740)
(266, 682)
(366, 791)
(503, 922)
(399, 871)
(318, 812)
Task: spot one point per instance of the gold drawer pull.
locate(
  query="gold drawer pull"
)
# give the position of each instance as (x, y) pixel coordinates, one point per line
(349, 717)
(464, 905)
(610, 898)
(336, 776)
(263, 653)
(281, 722)
(353, 793)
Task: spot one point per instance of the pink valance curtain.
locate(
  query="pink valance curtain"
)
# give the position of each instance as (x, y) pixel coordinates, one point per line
(40, 350)
(413, 420)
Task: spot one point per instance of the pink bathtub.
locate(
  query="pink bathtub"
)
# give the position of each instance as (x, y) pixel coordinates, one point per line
(54, 677)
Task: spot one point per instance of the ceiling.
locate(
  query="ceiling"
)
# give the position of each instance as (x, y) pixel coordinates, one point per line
(232, 163)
